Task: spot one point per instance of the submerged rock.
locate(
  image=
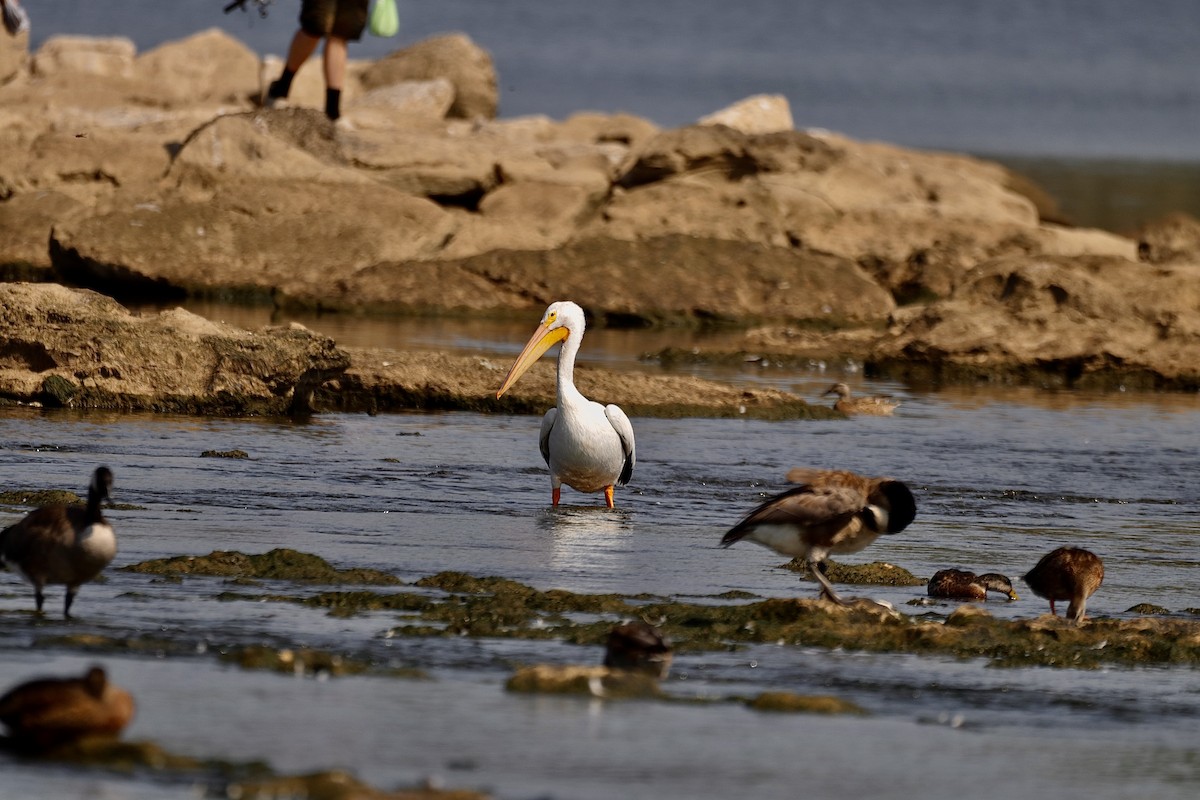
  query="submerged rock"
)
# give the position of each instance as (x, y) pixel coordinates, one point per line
(801, 703)
(611, 684)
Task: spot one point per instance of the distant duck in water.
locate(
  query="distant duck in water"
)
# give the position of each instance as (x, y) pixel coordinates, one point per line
(61, 543)
(960, 584)
(871, 406)
(640, 647)
(1068, 573)
(831, 511)
(50, 712)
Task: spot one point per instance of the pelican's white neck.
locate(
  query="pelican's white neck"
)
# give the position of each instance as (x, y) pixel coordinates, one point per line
(567, 393)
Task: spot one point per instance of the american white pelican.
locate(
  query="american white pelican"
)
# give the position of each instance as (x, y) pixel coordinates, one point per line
(587, 446)
(1068, 573)
(871, 406)
(62, 544)
(831, 511)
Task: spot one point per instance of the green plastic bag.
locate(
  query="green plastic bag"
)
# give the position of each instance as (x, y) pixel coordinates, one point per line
(385, 20)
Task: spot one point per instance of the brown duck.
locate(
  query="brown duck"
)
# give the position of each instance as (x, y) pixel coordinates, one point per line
(963, 585)
(871, 406)
(639, 647)
(831, 511)
(50, 712)
(1068, 573)
(62, 544)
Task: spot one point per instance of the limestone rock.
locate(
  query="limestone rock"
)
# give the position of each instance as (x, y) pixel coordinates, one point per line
(284, 144)
(14, 57)
(79, 349)
(24, 245)
(1173, 238)
(1094, 322)
(389, 107)
(661, 279)
(255, 238)
(453, 56)
(762, 113)
(207, 67)
(106, 57)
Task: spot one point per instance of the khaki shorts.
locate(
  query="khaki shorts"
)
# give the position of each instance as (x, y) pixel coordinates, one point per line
(344, 19)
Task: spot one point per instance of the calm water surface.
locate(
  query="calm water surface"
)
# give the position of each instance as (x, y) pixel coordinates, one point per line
(1000, 478)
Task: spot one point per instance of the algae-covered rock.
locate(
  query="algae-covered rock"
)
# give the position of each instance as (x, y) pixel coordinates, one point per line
(1147, 609)
(967, 615)
(335, 785)
(603, 682)
(40, 497)
(802, 703)
(224, 454)
(278, 564)
(874, 573)
(501, 608)
(247, 780)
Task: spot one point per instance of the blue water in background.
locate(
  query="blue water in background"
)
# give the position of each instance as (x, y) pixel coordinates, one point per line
(1036, 78)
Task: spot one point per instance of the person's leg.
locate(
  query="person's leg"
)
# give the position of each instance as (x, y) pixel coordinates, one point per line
(303, 45)
(335, 74)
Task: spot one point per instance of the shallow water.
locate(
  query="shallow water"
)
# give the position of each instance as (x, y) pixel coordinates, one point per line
(1000, 477)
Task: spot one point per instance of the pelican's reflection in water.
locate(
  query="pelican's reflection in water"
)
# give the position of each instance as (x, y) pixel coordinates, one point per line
(589, 540)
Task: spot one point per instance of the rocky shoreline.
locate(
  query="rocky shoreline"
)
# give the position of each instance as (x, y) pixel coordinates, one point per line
(147, 177)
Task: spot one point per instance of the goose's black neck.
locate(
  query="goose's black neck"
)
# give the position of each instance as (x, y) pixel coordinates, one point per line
(97, 493)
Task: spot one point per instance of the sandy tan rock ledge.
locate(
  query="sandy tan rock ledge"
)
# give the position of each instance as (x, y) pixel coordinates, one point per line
(390, 380)
(72, 348)
(935, 267)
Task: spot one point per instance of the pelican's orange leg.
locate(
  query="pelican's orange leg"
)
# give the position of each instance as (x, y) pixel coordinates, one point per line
(555, 494)
(608, 496)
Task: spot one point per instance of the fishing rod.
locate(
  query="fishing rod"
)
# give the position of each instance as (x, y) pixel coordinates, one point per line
(262, 6)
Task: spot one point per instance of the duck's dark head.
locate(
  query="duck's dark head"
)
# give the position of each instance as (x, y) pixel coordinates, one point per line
(995, 582)
(94, 681)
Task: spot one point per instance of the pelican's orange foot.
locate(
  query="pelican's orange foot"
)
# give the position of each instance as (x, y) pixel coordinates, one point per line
(608, 496)
(555, 496)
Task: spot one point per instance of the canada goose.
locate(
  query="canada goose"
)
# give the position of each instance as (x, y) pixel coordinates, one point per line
(831, 511)
(872, 406)
(640, 647)
(61, 543)
(1068, 573)
(587, 445)
(958, 583)
(49, 712)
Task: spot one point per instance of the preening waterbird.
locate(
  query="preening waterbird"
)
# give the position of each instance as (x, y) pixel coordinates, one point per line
(963, 585)
(65, 544)
(640, 647)
(1068, 573)
(871, 406)
(587, 446)
(831, 511)
(48, 712)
